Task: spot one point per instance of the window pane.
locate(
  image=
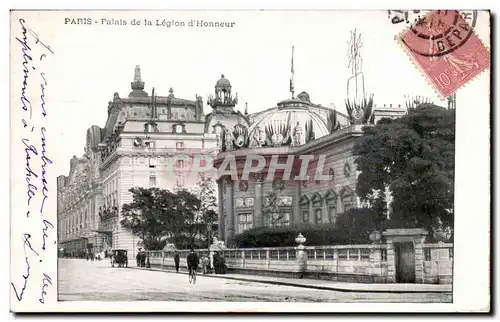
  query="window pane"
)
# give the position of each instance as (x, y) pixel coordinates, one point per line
(152, 181)
(319, 218)
(305, 216)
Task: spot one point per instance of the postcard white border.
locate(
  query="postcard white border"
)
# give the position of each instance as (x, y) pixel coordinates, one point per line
(471, 282)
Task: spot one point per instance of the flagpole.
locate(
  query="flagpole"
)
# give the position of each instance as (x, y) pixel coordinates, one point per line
(292, 85)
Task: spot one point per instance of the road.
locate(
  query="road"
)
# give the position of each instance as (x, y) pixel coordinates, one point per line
(80, 280)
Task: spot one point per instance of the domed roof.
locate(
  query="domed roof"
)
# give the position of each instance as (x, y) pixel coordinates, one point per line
(293, 114)
(223, 82)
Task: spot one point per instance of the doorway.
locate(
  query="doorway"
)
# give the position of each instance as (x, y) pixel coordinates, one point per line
(405, 262)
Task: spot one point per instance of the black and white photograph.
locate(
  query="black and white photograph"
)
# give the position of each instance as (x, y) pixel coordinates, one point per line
(260, 160)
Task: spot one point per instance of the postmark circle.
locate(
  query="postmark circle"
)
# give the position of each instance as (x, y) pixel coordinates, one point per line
(439, 27)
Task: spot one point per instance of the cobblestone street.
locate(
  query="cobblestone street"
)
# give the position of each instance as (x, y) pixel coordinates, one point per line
(80, 280)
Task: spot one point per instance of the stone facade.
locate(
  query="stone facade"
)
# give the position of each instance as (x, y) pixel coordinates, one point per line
(144, 132)
(134, 149)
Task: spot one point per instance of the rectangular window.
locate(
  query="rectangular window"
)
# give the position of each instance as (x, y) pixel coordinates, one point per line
(333, 214)
(450, 254)
(244, 222)
(305, 216)
(179, 145)
(384, 254)
(152, 163)
(152, 181)
(180, 181)
(180, 164)
(318, 215)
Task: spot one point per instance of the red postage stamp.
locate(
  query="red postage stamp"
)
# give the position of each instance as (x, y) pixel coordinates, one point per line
(443, 44)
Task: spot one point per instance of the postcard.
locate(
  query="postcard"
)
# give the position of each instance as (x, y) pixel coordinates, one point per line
(250, 161)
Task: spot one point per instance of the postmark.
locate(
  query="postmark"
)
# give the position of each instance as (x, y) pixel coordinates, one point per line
(444, 46)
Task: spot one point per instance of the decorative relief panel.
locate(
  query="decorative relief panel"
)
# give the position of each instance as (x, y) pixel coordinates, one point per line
(244, 202)
(281, 201)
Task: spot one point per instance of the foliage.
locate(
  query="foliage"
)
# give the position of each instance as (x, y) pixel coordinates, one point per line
(413, 157)
(353, 227)
(151, 215)
(205, 220)
(156, 214)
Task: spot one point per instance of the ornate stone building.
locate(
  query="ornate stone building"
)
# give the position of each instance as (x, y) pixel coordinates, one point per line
(133, 149)
(143, 132)
(295, 127)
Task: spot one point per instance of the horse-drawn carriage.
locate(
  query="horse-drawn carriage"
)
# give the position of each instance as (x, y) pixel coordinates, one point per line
(119, 257)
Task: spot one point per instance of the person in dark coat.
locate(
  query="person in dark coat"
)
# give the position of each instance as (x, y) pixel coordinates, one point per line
(176, 260)
(216, 263)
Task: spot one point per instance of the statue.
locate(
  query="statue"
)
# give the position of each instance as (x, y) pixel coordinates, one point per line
(229, 140)
(137, 74)
(199, 106)
(297, 135)
(262, 138)
(256, 137)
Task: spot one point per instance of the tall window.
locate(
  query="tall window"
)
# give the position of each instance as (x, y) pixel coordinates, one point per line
(305, 216)
(178, 128)
(180, 164)
(152, 181)
(180, 181)
(318, 215)
(244, 222)
(179, 145)
(332, 213)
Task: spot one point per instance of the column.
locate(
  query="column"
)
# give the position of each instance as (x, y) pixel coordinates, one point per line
(220, 216)
(312, 214)
(297, 214)
(257, 217)
(391, 264)
(419, 260)
(229, 211)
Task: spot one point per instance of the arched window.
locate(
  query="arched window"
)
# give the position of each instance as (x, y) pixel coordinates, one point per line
(331, 205)
(304, 207)
(347, 196)
(317, 203)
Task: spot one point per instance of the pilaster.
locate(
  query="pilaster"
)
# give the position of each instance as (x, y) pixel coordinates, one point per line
(257, 220)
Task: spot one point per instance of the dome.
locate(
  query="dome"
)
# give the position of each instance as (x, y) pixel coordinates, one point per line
(223, 82)
(289, 117)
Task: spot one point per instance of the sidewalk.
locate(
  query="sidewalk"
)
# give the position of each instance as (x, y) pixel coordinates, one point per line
(327, 285)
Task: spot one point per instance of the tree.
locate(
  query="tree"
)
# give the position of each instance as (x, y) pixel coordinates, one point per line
(152, 216)
(413, 158)
(207, 218)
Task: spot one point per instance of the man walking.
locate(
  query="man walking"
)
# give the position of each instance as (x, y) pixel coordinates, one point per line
(176, 260)
(192, 262)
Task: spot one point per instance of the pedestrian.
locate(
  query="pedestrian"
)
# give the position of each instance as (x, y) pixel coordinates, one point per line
(206, 264)
(176, 261)
(143, 258)
(216, 263)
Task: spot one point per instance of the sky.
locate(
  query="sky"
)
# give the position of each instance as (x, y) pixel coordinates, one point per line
(91, 62)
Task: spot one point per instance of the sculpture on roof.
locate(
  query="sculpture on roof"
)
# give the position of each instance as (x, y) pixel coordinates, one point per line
(359, 107)
(228, 140)
(297, 135)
